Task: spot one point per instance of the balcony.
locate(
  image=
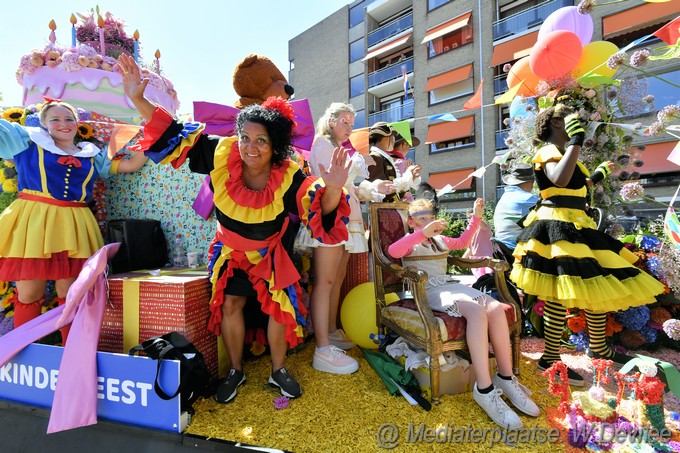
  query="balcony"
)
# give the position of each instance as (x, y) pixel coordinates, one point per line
(394, 114)
(390, 29)
(389, 73)
(526, 20)
(500, 138)
(500, 84)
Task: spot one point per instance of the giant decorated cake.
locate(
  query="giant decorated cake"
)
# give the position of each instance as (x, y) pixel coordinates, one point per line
(85, 73)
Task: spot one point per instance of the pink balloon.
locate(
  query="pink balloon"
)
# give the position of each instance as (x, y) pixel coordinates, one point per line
(569, 19)
(555, 54)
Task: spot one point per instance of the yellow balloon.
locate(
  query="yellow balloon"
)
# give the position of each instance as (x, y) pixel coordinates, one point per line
(595, 55)
(357, 314)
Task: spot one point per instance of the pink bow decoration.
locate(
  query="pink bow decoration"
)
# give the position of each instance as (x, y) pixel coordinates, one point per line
(221, 120)
(70, 160)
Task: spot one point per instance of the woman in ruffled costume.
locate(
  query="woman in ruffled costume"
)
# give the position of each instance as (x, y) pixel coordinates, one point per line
(49, 231)
(257, 188)
(561, 257)
(330, 261)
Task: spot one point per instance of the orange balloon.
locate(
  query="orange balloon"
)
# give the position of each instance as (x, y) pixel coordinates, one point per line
(555, 54)
(521, 71)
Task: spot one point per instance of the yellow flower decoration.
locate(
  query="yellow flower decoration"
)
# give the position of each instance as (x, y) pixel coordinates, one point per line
(306, 263)
(9, 186)
(14, 114)
(2, 177)
(4, 286)
(8, 163)
(85, 131)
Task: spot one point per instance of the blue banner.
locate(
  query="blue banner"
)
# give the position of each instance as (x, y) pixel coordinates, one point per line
(125, 385)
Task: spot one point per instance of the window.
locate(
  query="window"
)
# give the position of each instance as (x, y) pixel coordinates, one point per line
(291, 65)
(360, 119)
(432, 4)
(356, 50)
(449, 35)
(450, 84)
(450, 135)
(631, 93)
(356, 85)
(356, 14)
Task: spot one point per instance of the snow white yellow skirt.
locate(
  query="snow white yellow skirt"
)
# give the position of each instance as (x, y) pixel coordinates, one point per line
(46, 239)
(562, 257)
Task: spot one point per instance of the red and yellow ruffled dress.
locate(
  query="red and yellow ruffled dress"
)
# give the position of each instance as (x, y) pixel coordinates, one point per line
(255, 234)
(563, 258)
(49, 231)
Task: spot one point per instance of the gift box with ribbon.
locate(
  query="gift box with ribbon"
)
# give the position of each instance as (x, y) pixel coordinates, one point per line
(143, 305)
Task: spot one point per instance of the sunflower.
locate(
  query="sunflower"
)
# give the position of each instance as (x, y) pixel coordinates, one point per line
(85, 131)
(9, 186)
(13, 114)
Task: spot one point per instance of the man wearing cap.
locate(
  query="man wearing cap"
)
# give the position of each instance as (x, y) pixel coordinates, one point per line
(514, 204)
(382, 138)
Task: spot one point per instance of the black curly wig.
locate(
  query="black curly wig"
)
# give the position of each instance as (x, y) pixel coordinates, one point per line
(279, 128)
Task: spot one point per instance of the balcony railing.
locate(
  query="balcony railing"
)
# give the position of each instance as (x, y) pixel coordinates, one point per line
(394, 114)
(390, 29)
(500, 84)
(500, 138)
(525, 20)
(389, 73)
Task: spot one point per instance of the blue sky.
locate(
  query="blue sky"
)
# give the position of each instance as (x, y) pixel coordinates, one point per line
(201, 41)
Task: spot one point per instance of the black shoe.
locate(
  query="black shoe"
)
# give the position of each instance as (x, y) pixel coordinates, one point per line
(285, 383)
(616, 357)
(575, 379)
(228, 388)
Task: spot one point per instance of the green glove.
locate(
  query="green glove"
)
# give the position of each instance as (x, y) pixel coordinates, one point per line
(601, 172)
(574, 129)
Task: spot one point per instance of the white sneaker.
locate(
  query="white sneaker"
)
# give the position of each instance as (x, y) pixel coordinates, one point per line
(334, 360)
(339, 339)
(517, 394)
(496, 408)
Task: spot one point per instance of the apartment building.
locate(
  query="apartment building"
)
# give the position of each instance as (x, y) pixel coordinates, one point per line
(363, 52)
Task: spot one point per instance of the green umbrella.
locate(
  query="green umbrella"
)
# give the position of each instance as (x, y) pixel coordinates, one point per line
(394, 376)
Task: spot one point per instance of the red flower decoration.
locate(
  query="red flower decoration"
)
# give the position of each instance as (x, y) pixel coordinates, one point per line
(577, 323)
(280, 105)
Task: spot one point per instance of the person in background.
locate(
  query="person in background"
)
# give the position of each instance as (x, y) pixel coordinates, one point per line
(381, 138)
(561, 257)
(330, 261)
(400, 150)
(515, 203)
(427, 249)
(258, 188)
(49, 231)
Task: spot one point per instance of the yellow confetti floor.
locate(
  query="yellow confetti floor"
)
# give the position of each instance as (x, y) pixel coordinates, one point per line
(351, 413)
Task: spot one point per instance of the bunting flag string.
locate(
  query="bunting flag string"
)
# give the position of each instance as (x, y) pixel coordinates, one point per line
(478, 173)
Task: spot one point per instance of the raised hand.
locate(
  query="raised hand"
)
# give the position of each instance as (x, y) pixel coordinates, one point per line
(335, 176)
(133, 83)
(478, 210)
(435, 228)
(574, 129)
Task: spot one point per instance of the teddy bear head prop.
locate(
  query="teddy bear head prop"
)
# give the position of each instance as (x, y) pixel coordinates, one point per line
(256, 78)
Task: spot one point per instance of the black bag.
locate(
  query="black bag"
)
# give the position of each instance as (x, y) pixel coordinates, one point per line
(194, 377)
(143, 244)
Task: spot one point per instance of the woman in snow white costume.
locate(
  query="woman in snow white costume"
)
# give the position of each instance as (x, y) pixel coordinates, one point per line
(257, 187)
(49, 231)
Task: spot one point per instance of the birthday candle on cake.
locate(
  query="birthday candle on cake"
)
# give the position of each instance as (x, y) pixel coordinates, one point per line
(73, 21)
(53, 36)
(136, 36)
(158, 62)
(100, 23)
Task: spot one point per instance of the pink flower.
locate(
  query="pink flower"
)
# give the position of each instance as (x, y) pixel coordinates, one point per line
(281, 402)
(590, 93)
(539, 307)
